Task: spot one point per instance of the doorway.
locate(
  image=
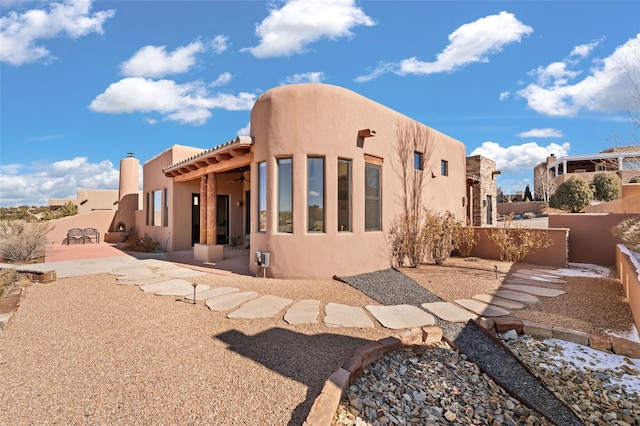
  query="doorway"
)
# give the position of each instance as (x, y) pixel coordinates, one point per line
(222, 220)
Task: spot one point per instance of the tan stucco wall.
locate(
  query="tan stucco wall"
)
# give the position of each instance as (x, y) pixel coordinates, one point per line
(99, 219)
(519, 207)
(321, 120)
(590, 238)
(554, 255)
(629, 273)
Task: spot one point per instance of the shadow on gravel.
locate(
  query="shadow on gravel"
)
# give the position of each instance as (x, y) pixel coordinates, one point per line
(392, 287)
(308, 359)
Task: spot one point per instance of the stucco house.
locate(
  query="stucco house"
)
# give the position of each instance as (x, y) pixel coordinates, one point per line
(314, 187)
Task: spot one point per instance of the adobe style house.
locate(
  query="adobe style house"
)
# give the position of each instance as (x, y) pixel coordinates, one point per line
(313, 189)
(624, 161)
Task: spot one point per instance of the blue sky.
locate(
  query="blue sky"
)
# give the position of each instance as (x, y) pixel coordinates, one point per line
(82, 83)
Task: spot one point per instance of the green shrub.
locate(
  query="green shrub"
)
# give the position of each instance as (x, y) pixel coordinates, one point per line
(607, 186)
(142, 244)
(573, 195)
(515, 243)
(628, 233)
(22, 241)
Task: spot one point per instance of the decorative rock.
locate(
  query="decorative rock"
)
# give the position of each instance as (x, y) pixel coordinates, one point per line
(506, 324)
(571, 335)
(625, 347)
(536, 329)
(599, 342)
(431, 335)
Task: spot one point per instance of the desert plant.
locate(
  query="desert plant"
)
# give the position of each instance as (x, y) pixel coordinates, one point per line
(573, 195)
(439, 234)
(7, 277)
(607, 185)
(67, 209)
(142, 244)
(628, 233)
(22, 241)
(407, 239)
(464, 239)
(515, 243)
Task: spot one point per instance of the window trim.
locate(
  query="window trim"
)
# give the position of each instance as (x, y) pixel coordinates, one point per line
(349, 200)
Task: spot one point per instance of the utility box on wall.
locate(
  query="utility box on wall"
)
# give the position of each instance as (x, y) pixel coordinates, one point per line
(262, 259)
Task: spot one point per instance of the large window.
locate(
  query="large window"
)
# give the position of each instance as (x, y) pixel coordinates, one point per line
(315, 194)
(157, 208)
(285, 195)
(417, 160)
(344, 195)
(165, 212)
(372, 197)
(262, 196)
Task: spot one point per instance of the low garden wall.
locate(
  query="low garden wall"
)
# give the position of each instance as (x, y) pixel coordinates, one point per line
(518, 207)
(629, 271)
(555, 255)
(590, 237)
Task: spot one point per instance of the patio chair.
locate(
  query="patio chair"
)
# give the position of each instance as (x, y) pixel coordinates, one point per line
(89, 235)
(74, 235)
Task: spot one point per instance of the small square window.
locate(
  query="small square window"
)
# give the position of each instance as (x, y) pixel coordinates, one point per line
(417, 160)
(444, 168)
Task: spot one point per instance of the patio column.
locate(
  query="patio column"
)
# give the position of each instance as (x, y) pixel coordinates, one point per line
(203, 209)
(620, 163)
(212, 209)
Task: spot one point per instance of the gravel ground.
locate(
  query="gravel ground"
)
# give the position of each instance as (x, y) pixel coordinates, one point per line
(85, 350)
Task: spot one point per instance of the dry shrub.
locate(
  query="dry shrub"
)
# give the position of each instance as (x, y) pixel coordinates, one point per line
(464, 239)
(440, 230)
(628, 233)
(22, 241)
(142, 244)
(7, 277)
(515, 243)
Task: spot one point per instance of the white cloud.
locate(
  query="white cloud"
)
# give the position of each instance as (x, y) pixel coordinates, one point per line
(187, 103)
(541, 133)
(585, 50)
(150, 120)
(40, 181)
(520, 158)
(606, 88)
(505, 95)
(222, 80)
(470, 43)
(20, 33)
(288, 30)
(219, 44)
(314, 194)
(307, 77)
(245, 131)
(155, 61)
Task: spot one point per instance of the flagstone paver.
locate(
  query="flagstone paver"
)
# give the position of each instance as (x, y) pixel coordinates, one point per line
(497, 301)
(517, 296)
(521, 281)
(262, 307)
(131, 271)
(538, 278)
(212, 292)
(481, 308)
(180, 273)
(142, 280)
(230, 300)
(538, 291)
(182, 291)
(449, 312)
(303, 312)
(165, 285)
(401, 316)
(338, 315)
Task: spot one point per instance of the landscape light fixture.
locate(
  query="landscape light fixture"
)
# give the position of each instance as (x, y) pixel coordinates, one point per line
(194, 291)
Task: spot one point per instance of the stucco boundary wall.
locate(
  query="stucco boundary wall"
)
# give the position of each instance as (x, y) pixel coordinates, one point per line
(102, 220)
(628, 268)
(519, 207)
(628, 203)
(555, 255)
(590, 237)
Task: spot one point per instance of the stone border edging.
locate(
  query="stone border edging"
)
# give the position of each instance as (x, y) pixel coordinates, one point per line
(324, 408)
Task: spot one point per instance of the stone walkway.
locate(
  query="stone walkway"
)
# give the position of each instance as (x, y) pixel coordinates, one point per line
(167, 279)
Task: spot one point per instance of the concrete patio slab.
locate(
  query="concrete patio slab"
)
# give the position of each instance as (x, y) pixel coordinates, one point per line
(481, 308)
(538, 291)
(497, 301)
(303, 312)
(338, 315)
(449, 312)
(212, 292)
(165, 285)
(229, 301)
(539, 278)
(517, 296)
(263, 307)
(401, 316)
(182, 291)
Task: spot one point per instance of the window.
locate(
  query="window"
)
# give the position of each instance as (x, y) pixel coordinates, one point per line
(165, 213)
(372, 197)
(285, 195)
(315, 194)
(262, 197)
(417, 160)
(147, 220)
(444, 168)
(344, 195)
(157, 208)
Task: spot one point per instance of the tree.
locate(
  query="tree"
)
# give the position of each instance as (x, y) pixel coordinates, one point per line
(607, 186)
(545, 184)
(573, 195)
(527, 194)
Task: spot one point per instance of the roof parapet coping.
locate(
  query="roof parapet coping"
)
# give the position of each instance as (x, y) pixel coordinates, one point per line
(219, 149)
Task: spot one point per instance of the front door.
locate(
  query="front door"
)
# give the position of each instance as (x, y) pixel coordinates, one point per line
(222, 221)
(195, 219)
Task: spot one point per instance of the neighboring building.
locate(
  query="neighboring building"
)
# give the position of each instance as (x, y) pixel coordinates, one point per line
(624, 161)
(481, 191)
(315, 186)
(88, 200)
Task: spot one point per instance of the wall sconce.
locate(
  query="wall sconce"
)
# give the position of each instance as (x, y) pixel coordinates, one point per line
(363, 134)
(238, 203)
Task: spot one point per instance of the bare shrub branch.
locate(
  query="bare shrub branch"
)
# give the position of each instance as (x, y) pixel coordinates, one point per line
(515, 243)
